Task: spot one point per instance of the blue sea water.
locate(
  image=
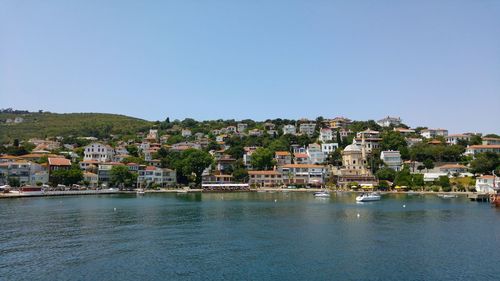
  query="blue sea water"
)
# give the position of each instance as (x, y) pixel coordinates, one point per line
(248, 236)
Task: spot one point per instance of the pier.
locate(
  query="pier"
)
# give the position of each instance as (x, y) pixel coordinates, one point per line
(480, 197)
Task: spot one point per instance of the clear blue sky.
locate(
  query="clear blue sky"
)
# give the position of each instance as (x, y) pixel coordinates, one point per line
(434, 63)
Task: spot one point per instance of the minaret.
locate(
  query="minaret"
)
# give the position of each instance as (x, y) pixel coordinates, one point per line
(363, 151)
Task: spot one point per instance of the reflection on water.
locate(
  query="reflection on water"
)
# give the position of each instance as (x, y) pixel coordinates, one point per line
(248, 236)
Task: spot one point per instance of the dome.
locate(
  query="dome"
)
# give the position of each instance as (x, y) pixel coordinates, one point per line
(352, 147)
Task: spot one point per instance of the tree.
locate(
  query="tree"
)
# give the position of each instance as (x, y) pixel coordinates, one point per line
(335, 157)
(484, 163)
(383, 185)
(417, 179)
(13, 181)
(262, 159)
(386, 174)
(428, 163)
(121, 176)
(66, 177)
(392, 140)
(132, 150)
(420, 168)
(444, 182)
(403, 177)
(194, 161)
(240, 175)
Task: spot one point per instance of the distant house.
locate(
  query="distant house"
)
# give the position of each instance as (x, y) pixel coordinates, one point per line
(338, 122)
(283, 158)
(56, 164)
(316, 156)
(231, 129)
(368, 134)
(241, 127)
(404, 131)
(99, 152)
(328, 148)
(162, 177)
(185, 133)
(389, 121)
(487, 183)
(307, 128)
(370, 143)
(413, 141)
(392, 159)
(306, 174)
(255, 132)
(265, 178)
(289, 130)
(452, 169)
(432, 133)
(91, 178)
(325, 135)
(475, 149)
(301, 158)
(455, 138)
(491, 141)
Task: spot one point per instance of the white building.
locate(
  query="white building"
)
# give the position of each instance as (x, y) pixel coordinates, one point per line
(388, 121)
(315, 154)
(242, 127)
(185, 133)
(153, 175)
(289, 129)
(325, 135)
(487, 183)
(99, 152)
(368, 134)
(392, 159)
(432, 133)
(303, 174)
(475, 149)
(491, 141)
(307, 128)
(328, 148)
(453, 139)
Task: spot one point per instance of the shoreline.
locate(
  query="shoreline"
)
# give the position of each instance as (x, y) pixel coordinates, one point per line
(185, 191)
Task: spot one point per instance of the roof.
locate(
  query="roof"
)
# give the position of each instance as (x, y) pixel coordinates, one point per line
(150, 168)
(452, 166)
(486, 177)
(282, 153)
(59, 162)
(434, 142)
(302, 166)
(497, 139)
(301, 155)
(493, 146)
(263, 173)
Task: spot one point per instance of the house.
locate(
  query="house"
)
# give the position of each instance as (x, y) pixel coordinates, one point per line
(432, 133)
(487, 183)
(338, 122)
(304, 174)
(367, 134)
(39, 177)
(104, 172)
(255, 132)
(300, 158)
(325, 135)
(314, 153)
(23, 171)
(225, 163)
(491, 141)
(241, 127)
(161, 177)
(56, 164)
(328, 148)
(185, 133)
(231, 129)
(455, 138)
(221, 138)
(88, 164)
(265, 178)
(152, 135)
(389, 121)
(392, 159)
(404, 131)
(220, 178)
(91, 179)
(99, 152)
(289, 130)
(247, 157)
(451, 169)
(413, 141)
(307, 128)
(475, 149)
(283, 158)
(369, 143)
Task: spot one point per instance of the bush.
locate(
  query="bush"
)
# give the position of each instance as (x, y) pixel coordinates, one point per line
(435, 188)
(446, 188)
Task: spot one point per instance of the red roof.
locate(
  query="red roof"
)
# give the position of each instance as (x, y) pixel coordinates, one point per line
(59, 162)
(263, 173)
(301, 155)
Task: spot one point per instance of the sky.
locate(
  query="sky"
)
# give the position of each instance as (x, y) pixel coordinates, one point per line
(432, 63)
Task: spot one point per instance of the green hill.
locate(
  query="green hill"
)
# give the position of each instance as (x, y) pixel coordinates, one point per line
(41, 125)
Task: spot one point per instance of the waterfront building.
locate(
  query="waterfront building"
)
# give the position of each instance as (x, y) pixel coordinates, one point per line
(432, 133)
(487, 183)
(354, 166)
(104, 172)
(304, 174)
(265, 178)
(99, 152)
(392, 159)
(314, 153)
(151, 175)
(91, 178)
(389, 121)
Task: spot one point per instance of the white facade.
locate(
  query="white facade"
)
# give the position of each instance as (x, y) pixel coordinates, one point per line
(185, 133)
(307, 128)
(98, 152)
(485, 184)
(289, 129)
(388, 121)
(392, 159)
(325, 135)
(453, 139)
(432, 133)
(154, 175)
(241, 127)
(328, 148)
(315, 154)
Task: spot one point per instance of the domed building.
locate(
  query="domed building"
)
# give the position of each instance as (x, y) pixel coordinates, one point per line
(354, 166)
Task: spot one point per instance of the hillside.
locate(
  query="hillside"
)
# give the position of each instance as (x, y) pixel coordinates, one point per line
(45, 124)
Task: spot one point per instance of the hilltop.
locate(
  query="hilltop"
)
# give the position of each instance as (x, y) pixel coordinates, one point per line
(45, 124)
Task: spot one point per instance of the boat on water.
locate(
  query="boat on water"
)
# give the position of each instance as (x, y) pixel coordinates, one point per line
(323, 194)
(367, 197)
(140, 191)
(31, 190)
(447, 196)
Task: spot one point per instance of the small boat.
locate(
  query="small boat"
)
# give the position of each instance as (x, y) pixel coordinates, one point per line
(447, 196)
(323, 194)
(367, 197)
(31, 190)
(140, 191)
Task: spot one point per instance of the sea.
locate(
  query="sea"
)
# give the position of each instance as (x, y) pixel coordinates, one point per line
(248, 236)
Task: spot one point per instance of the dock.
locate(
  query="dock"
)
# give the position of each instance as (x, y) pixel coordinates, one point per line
(480, 197)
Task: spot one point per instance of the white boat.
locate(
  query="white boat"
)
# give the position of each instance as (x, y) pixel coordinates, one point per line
(447, 196)
(140, 191)
(367, 197)
(322, 194)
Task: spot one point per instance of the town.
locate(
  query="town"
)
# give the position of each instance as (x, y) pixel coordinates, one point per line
(224, 155)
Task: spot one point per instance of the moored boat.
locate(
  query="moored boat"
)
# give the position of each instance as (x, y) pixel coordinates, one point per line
(367, 197)
(31, 190)
(322, 194)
